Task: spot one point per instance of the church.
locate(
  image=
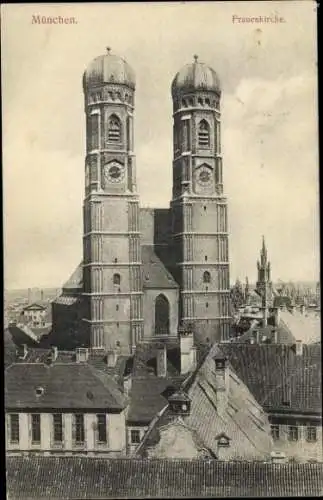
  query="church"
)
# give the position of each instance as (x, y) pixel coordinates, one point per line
(149, 273)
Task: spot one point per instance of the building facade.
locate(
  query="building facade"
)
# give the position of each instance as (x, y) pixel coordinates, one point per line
(169, 266)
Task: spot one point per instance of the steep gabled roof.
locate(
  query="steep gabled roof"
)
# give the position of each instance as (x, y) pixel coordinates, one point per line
(155, 274)
(272, 370)
(75, 281)
(242, 420)
(66, 478)
(66, 385)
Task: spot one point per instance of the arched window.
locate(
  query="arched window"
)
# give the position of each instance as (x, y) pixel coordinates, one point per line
(204, 134)
(206, 277)
(207, 102)
(191, 102)
(161, 315)
(184, 103)
(114, 129)
(200, 101)
(116, 279)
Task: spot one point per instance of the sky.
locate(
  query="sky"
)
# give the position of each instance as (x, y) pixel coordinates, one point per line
(268, 74)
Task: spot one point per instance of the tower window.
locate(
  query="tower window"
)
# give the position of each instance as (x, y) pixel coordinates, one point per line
(115, 260)
(116, 279)
(117, 307)
(205, 258)
(207, 102)
(184, 103)
(204, 134)
(117, 325)
(200, 101)
(114, 129)
(204, 208)
(206, 277)
(207, 305)
(191, 102)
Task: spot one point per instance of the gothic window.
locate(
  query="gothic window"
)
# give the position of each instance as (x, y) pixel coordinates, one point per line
(116, 279)
(200, 101)
(184, 102)
(114, 129)
(206, 277)
(204, 134)
(191, 102)
(161, 315)
(207, 102)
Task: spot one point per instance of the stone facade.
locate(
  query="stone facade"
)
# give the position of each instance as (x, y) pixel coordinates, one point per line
(190, 238)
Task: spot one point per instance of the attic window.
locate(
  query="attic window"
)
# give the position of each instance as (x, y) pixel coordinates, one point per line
(223, 441)
(39, 391)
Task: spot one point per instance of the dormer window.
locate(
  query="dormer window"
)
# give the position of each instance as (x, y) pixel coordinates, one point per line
(180, 403)
(223, 441)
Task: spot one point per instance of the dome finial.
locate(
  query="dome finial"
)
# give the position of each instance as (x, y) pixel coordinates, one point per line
(195, 58)
(108, 50)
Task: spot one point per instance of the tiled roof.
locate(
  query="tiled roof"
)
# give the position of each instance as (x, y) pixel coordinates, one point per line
(271, 370)
(97, 359)
(250, 434)
(149, 396)
(155, 274)
(75, 281)
(69, 385)
(62, 478)
(34, 307)
(67, 300)
(305, 327)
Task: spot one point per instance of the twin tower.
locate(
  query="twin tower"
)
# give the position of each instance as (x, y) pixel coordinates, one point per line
(150, 273)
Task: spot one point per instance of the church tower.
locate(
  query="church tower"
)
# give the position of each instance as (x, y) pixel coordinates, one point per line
(199, 207)
(112, 287)
(264, 284)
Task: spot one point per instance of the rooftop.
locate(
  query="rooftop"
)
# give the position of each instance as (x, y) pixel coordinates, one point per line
(60, 478)
(60, 385)
(272, 371)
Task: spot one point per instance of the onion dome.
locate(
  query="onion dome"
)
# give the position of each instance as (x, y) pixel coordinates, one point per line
(108, 68)
(195, 76)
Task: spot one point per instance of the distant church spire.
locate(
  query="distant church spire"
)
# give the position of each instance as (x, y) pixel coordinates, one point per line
(264, 285)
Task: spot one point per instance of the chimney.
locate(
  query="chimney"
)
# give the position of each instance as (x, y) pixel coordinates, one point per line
(127, 384)
(22, 351)
(188, 352)
(82, 354)
(299, 348)
(54, 353)
(162, 361)
(112, 357)
(222, 381)
(278, 457)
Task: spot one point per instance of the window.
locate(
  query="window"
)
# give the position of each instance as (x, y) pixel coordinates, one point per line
(206, 277)
(293, 433)
(311, 434)
(35, 428)
(78, 429)
(275, 431)
(102, 427)
(114, 129)
(200, 101)
(58, 427)
(135, 436)
(205, 258)
(204, 134)
(117, 307)
(116, 279)
(115, 260)
(207, 305)
(14, 428)
(204, 208)
(207, 102)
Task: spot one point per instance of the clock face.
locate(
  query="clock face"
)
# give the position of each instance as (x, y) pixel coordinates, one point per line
(114, 172)
(204, 176)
